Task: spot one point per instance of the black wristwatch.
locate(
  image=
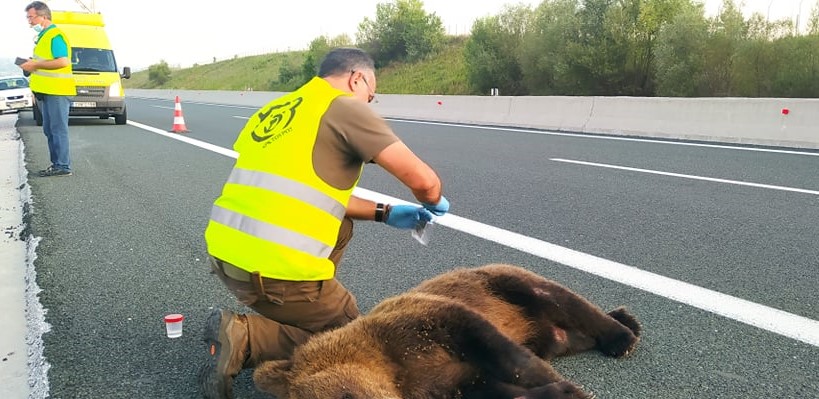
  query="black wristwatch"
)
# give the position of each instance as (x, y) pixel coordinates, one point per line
(380, 212)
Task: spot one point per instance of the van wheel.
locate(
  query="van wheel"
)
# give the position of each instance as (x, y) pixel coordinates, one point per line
(121, 118)
(38, 115)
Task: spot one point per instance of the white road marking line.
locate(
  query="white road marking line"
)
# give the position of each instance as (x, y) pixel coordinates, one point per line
(186, 139)
(761, 316)
(770, 319)
(692, 177)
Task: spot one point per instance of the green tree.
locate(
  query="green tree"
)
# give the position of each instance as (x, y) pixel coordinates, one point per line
(752, 68)
(290, 75)
(679, 53)
(319, 48)
(757, 58)
(491, 53)
(813, 21)
(728, 30)
(600, 58)
(798, 76)
(647, 18)
(548, 46)
(401, 31)
(160, 73)
(288, 71)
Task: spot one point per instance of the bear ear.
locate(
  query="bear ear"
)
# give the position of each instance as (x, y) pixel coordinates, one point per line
(273, 377)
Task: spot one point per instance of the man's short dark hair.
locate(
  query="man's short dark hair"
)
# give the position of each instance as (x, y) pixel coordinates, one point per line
(343, 60)
(41, 9)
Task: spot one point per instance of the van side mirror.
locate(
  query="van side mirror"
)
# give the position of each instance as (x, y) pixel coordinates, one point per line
(126, 72)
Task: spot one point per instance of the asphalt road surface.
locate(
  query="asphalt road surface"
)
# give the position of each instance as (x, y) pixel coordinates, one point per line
(714, 248)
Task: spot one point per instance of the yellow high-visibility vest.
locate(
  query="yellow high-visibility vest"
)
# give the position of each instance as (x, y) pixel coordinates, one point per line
(58, 82)
(275, 215)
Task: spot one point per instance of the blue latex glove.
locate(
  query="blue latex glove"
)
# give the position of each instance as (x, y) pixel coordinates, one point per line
(407, 216)
(438, 209)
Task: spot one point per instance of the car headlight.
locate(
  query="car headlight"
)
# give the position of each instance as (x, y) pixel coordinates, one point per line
(115, 90)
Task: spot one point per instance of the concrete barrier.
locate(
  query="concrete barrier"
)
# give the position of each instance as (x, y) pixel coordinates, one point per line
(763, 121)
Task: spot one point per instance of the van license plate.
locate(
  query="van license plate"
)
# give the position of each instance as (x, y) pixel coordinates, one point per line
(83, 104)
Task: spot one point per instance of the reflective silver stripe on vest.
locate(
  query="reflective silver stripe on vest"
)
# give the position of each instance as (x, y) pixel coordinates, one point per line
(292, 188)
(52, 74)
(269, 232)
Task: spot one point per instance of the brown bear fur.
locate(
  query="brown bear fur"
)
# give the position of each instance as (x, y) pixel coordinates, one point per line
(484, 332)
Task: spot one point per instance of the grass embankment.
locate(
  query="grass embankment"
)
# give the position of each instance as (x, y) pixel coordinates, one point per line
(442, 73)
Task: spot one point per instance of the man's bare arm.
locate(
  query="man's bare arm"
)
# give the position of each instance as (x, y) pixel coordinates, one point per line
(414, 173)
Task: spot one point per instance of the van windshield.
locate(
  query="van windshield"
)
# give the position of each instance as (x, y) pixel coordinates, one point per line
(92, 60)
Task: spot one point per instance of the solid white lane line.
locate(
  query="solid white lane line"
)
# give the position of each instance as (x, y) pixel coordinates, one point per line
(181, 137)
(614, 138)
(692, 177)
(764, 317)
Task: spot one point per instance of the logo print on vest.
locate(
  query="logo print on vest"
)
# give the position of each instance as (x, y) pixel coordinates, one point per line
(276, 114)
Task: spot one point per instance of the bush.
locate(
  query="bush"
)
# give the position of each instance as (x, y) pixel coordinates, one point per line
(160, 73)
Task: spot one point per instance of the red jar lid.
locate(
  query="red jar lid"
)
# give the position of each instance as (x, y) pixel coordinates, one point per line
(174, 318)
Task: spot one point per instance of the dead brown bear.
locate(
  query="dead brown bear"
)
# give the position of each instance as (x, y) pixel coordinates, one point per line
(484, 333)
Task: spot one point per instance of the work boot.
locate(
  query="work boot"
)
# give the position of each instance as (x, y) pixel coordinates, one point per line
(227, 340)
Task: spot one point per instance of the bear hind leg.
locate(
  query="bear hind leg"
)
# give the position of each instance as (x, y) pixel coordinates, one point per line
(473, 338)
(560, 313)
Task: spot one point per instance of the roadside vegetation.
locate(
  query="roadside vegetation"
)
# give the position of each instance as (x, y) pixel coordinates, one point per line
(562, 47)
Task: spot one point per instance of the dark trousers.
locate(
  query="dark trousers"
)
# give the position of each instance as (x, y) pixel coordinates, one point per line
(289, 312)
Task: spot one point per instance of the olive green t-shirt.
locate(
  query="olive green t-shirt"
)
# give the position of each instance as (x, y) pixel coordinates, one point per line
(350, 134)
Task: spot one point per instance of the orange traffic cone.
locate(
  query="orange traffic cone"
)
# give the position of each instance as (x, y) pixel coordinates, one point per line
(178, 119)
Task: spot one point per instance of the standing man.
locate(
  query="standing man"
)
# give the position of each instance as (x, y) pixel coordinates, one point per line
(285, 216)
(53, 85)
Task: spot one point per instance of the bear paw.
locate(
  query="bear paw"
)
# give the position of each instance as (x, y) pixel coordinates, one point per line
(623, 340)
(557, 390)
(627, 319)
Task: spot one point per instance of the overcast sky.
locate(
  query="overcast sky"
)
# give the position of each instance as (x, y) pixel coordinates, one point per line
(184, 32)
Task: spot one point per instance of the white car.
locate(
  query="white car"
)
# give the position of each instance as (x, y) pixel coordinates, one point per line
(15, 94)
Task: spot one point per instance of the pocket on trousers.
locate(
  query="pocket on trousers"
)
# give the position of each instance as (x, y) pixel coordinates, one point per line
(309, 292)
(281, 292)
(246, 298)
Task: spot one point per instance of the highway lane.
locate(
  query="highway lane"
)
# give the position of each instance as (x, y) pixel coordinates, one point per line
(122, 245)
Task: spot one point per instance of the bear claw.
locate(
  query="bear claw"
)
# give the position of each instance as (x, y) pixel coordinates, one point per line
(627, 319)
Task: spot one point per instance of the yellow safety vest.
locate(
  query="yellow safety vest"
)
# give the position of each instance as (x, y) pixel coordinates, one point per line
(58, 82)
(275, 215)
